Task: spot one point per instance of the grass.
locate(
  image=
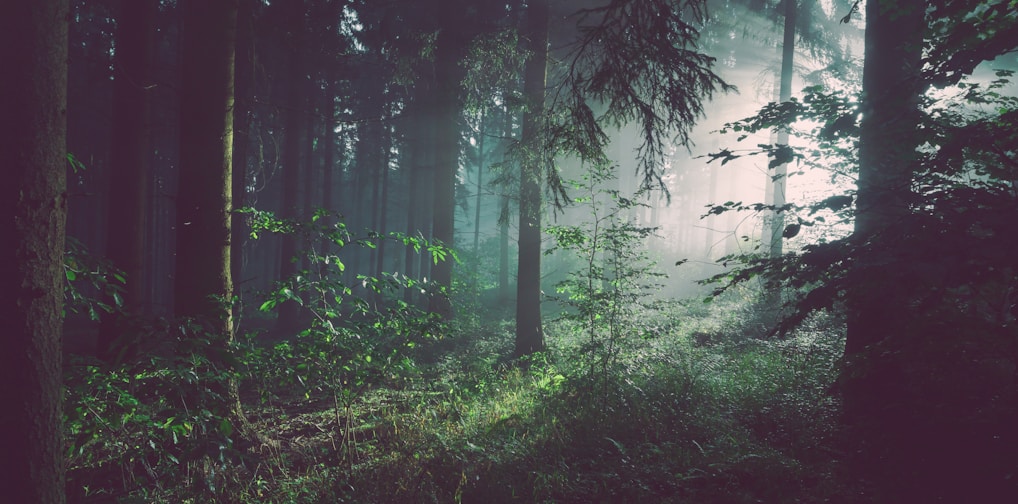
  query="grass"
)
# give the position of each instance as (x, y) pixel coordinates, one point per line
(732, 421)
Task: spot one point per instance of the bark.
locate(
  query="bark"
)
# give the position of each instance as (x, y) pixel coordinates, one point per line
(529, 331)
(33, 205)
(127, 207)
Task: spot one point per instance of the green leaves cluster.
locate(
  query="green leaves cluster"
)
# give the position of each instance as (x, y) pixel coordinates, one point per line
(609, 291)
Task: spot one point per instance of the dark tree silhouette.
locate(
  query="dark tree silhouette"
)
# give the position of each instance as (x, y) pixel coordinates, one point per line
(33, 48)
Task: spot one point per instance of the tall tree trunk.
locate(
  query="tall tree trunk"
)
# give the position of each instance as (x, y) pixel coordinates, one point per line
(383, 202)
(503, 224)
(477, 195)
(776, 182)
(33, 206)
(529, 331)
(878, 311)
(244, 65)
(127, 206)
(449, 75)
(289, 310)
(329, 156)
(205, 189)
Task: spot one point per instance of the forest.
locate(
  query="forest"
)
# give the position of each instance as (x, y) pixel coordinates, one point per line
(578, 251)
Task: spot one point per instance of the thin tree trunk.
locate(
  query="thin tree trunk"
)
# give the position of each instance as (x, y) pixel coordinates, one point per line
(329, 144)
(383, 203)
(529, 331)
(503, 226)
(33, 206)
(244, 64)
(477, 196)
(289, 310)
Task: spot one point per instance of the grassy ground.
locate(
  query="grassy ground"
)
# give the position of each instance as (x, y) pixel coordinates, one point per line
(688, 411)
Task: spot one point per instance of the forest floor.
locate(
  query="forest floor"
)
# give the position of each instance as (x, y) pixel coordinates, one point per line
(690, 411)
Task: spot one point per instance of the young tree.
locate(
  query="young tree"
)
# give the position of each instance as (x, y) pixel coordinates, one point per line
(32, 215)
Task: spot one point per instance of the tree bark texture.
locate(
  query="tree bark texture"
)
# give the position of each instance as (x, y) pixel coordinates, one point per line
(33, 205)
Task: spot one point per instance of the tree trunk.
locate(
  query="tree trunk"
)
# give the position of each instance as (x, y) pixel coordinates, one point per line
(203, 284)
(503, 225)
(776, 181)
(448, 74)
(127, 206)
(33, 206)
(529, 333)
(878, 311)
(329, 144)
(477, 196)
(244, 71)
(289, 310)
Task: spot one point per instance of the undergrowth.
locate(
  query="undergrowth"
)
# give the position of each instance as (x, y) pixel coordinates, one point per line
(725, 420)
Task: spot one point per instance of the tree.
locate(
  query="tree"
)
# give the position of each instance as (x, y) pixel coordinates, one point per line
(912, 339)
(529, 332)
(637, 61)
(127, 210)
(203, 284)
(32, 218)
(450, 49)
(243, 96)
(289, 310)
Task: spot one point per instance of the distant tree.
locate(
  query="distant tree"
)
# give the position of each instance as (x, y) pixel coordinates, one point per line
(243, 97)
(33, 50)
(294, 40)
(130, 173)
(450, 49)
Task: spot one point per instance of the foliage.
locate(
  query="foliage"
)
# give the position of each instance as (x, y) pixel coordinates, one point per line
(94, 285)
(147, 424)
(611, 289)
(962, 198)
(353, 340)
